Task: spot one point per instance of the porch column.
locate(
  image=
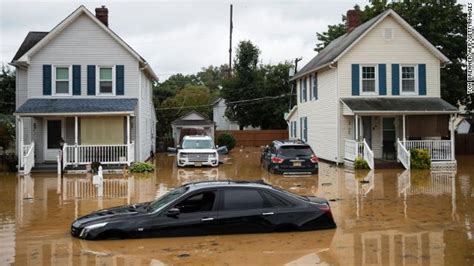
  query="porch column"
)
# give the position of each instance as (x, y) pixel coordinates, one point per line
(357, 127)
(128, 129)
(21, 142)
(404, 131)
(451, 121)
(76, 142)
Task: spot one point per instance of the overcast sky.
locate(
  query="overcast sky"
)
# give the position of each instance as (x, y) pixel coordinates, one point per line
(184, 36)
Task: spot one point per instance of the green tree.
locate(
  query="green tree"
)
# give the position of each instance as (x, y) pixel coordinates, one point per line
(7, 91)
(184, 101)
(443, 23)
(250, 81)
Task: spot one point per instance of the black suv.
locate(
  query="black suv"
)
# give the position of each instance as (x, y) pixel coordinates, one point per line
(289, 157)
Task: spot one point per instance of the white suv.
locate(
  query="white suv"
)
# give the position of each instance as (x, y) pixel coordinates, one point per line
(197, 151)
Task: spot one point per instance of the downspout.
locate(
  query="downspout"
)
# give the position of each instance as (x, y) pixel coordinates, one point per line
(331, 66)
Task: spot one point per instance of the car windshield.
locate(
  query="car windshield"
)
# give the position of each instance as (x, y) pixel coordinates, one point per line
(197, 144)
(165, 199)
(295, 151)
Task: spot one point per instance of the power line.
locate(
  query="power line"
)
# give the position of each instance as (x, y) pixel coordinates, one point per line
(227, 103)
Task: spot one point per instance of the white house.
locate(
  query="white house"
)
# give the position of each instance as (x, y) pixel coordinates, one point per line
(374, 92)
(219, 117)
(292, 119)
(80, 86)
(462, 125)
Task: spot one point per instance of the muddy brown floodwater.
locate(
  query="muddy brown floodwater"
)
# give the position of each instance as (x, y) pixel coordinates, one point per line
(389, 217)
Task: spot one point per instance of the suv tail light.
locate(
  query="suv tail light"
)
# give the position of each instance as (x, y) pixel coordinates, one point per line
(276, 159)
(314, 159)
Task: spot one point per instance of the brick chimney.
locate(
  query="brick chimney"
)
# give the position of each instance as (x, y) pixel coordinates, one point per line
(102, 13)
(352, 19)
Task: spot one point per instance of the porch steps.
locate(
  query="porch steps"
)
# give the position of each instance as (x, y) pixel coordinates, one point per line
(44, 168)
(383, 164)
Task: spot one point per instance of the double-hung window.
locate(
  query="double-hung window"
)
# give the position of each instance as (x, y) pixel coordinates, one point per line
(315, 86)
(106, 80)
(62, 80)
(368, 79)
(408, 79)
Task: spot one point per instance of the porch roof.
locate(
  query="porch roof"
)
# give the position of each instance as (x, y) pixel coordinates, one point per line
(402, 105)
(87, 106)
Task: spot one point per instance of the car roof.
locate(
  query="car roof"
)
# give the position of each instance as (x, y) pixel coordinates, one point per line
(227, 183)
(197, 137)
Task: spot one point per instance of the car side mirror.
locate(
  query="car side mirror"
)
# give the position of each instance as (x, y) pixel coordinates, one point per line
(178, 147)
(173, 212)
(217, 146)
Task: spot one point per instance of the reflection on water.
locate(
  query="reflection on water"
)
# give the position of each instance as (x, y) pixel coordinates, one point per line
(392, 217)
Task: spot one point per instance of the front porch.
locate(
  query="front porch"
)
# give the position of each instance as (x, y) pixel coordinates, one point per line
(388, 133)
(75, 139)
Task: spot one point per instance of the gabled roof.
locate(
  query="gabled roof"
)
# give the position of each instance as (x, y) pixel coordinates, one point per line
(35, 42)
(30, 40)
(337, 48)
(77, 105)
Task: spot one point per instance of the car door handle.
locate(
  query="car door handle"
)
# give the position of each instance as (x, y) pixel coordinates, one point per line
(267, 213)
(207, 219)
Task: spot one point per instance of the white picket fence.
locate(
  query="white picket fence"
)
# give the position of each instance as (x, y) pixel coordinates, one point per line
(105, 154)
(368, 155)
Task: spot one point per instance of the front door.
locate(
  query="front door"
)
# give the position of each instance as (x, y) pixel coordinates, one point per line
(389, 137)
(54, 131)
(367, 129)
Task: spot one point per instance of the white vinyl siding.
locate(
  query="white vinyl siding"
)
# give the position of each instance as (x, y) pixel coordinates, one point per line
(402, 49)
(83, 43)
(322, 116)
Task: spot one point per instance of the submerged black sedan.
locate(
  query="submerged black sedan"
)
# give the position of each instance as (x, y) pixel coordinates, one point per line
(206, 208)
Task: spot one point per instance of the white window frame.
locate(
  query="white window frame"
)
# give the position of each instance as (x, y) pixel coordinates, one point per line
(97, 80)
(361, 91)
(415, 66)
(314, 77)
(69, 67)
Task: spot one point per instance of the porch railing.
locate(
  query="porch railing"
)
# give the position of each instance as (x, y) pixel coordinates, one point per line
(351, 149)
(105, 154)
(403, 155)
(440, 150)
(28, 158)
(368, 155)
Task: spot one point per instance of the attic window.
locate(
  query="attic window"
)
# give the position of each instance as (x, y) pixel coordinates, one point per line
(388, 34)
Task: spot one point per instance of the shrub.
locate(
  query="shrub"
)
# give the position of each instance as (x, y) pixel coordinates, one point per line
(9, 161)
(360, 163)
(227, 140)
(420, 159)
(141, 167)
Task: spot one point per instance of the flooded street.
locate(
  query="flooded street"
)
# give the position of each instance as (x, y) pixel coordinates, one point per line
(389, 217)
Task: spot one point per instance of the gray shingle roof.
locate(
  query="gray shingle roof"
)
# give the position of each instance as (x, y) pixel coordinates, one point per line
(336, 47)
(30, 40)
(399, 104)
(81, 105)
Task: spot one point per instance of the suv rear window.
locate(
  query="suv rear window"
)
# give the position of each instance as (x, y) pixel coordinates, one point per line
(295, 151)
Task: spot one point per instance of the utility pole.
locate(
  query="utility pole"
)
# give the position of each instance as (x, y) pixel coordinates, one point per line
(230, 41)
(293, 84)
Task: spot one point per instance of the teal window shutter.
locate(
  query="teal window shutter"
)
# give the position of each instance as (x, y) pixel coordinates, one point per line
(395, 79)
(76, 80)
(90, 80)
(119, 83)
(382, 79)
(306, 129)
(301, 127)
(422, 79)
(355, 79)
(310, 87)
(47, 80)
(301, 90)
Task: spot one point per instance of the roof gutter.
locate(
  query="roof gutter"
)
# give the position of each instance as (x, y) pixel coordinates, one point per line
(147, 68)
(309, 71)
